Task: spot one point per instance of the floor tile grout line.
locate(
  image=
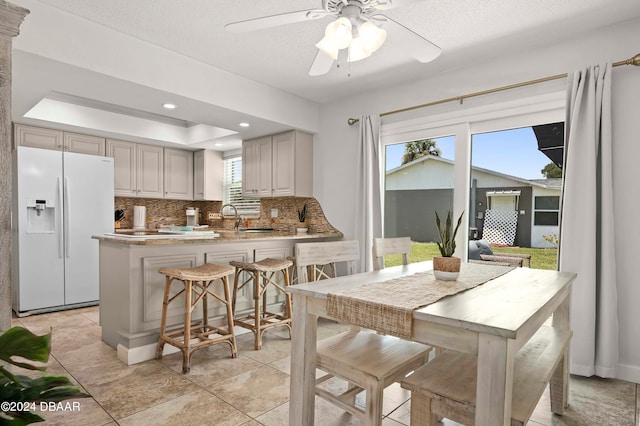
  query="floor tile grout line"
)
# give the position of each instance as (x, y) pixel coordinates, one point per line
(84, 388)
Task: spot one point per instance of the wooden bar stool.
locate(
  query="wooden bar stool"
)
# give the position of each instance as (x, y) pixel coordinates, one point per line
(196, 282)
(262, 274)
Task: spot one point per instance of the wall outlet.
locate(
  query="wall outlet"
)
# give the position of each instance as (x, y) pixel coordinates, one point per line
(212, 216)
(274, 212)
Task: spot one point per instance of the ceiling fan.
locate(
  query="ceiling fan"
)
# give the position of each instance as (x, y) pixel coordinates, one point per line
(357, 32)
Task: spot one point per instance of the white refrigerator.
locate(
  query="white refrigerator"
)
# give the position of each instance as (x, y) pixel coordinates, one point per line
(60, 199)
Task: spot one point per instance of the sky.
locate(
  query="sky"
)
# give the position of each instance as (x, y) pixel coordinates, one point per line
(513, 152)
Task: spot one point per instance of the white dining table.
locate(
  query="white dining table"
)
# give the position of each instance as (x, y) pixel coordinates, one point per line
(492, 321)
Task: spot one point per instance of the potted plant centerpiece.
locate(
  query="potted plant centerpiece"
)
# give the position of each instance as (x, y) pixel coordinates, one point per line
(302, 219)
(447, 267)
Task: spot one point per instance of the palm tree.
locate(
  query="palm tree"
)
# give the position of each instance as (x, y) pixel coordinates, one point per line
(420, 148)
(551, 171)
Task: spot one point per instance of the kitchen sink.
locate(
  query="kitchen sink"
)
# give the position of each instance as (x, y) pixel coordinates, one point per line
(257, 230)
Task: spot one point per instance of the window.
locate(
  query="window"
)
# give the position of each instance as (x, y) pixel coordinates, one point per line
(418, 182)
(233, 188)
(546, 211)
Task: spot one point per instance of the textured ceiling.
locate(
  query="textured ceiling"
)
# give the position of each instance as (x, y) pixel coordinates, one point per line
(95, 91)
(280, 57)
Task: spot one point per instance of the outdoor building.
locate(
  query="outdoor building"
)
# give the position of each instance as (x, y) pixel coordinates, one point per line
(416, 190)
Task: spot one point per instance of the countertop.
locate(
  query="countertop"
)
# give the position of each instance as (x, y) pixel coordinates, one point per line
(225, 236)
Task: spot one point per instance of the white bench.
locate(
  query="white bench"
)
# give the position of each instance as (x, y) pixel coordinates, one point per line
(446, 386)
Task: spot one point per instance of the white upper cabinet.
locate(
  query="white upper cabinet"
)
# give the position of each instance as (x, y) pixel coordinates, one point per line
(150, 171)
(138, 169)
(36, 137)
(57, 140)
(178, 174)
(207, 175)
(279, 165)
(125, 167)
(256, 167)
(145, 171)
(84, 144)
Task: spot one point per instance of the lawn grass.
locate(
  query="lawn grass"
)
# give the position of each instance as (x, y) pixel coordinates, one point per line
(541, 258)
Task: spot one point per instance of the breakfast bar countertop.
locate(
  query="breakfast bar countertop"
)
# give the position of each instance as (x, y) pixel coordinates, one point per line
(220, 236)
(131, 288)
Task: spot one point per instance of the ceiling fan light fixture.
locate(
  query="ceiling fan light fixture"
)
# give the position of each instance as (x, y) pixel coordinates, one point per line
(328, 48)
(357, 50)
(372, 36)
(338, 33)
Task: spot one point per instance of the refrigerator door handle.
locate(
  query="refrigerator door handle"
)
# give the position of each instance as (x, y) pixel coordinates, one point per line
(66, 210)
(60, 227)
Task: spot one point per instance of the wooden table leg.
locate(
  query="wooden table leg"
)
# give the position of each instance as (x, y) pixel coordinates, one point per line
(303, 364)
(559, 384)
(495, 380)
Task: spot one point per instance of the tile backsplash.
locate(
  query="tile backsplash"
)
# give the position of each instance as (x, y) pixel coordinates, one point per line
(161, 212)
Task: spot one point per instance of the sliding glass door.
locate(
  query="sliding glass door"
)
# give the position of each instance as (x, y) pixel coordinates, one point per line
(493, 169)
(419, 181)
(515, 189)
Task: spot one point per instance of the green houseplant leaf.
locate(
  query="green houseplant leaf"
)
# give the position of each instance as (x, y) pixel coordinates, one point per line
(447, 235)
(20, 342)
(302, 214)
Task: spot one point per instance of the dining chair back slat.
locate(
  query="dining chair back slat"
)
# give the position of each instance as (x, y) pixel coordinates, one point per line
(312, 258)
(388, 246)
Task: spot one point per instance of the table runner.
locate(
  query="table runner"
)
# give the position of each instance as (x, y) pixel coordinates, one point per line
(388, 306)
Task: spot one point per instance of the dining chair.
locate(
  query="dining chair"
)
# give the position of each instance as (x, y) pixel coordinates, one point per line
(312, 259)
(387, 246)
(365, 360)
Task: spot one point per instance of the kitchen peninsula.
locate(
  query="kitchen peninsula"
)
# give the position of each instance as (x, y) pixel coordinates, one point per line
(131, 288)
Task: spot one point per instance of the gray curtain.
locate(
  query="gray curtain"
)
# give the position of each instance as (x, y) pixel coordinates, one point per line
(368, 218)
(587, 228)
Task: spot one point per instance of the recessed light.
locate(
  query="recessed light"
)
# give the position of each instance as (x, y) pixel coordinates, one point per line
(169, 106)
(243, 124)
(218, 144)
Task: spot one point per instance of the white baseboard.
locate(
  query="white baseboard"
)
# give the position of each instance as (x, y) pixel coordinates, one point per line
(630, 373)
(142, 353)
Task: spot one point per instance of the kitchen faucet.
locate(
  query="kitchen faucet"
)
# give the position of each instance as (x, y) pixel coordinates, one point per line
(236, 222)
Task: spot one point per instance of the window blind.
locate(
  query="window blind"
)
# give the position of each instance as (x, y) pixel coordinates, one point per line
(232, 182)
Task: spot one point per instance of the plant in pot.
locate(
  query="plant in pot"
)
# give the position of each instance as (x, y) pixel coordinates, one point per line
(447, 267)
(302, 219)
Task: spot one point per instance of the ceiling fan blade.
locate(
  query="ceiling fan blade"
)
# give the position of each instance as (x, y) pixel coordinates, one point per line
(391, 4)
(415, 45)
(321, 64)
(275, 20)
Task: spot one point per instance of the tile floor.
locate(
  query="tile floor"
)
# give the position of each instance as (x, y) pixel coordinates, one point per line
(250, 390)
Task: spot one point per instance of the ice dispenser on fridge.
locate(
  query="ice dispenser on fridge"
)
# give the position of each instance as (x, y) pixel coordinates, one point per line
(41, 217)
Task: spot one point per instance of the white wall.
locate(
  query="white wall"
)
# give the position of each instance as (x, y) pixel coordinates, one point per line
(336, 144)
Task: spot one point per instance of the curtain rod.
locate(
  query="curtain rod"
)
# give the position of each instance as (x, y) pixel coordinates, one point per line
(632, 61)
